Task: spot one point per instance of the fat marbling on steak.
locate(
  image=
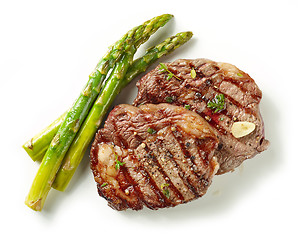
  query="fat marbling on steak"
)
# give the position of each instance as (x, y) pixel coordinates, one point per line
(155, 155)
(196, 83)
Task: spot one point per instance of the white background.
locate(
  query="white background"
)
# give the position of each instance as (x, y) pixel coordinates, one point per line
(48, 49)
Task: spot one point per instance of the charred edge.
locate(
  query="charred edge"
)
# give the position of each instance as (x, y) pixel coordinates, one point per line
(94, 148)
(113, 200)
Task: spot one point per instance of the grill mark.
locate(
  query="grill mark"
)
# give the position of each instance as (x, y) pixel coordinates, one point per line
(213, 123)
(137, 192)
(209, 116)
(202, 75)
(164, 175)
(186, 180)
(198, 67)
(162, 202)
(122, 184)
(204, 176)
(242, 88)
(190, 166)
(209, 83)
(186, 186)
(235, 102)
(162, 198)
(119, 137)
(204, 89)
(237, 83)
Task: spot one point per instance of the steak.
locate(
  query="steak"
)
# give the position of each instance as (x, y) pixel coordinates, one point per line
(199, 85)
(155, 155)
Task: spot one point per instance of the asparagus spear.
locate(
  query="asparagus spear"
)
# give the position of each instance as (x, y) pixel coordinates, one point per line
(152, 54)
(38, 145)
(112, 88)
(74, 118)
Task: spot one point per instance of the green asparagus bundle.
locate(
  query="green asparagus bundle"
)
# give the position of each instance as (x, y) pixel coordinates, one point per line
(104, 101)
(119, 52)
(69, 139)
(37, 146)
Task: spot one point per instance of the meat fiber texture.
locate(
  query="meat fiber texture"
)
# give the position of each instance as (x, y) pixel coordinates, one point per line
(193, 84)
(155, 155)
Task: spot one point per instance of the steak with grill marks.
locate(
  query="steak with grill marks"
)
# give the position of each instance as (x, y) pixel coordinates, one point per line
(155, 155)
(195, 83)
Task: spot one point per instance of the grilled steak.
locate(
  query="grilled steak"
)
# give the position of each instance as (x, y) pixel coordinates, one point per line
(219, 92)
(153, 155)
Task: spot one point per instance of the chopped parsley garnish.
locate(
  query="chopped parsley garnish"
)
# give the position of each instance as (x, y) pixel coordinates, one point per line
(165, 190)
(217, 104)
(193, 73)
(164, 68)
(187, 107)
(103, 185)
(239, 74)
(151, 131)
(118, 163)
(169, 99)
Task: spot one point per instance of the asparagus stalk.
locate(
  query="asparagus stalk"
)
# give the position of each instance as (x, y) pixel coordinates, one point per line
(37, 146)
(74, 118)
(112, 88)
(152, 54)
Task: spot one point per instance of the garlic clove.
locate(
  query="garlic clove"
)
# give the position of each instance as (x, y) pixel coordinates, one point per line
(241, 129)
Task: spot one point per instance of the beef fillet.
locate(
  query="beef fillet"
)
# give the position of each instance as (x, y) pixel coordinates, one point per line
(153, 155)
(200, 85)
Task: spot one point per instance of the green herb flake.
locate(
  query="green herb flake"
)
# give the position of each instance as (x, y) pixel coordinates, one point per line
(193, 73)
(217, 104)
(163, 68)
(103, 185)
(239, 74)
(165, 189)
(221, 119)
(187, 107)
(151, 131)
(117, 162)
(170, 75)
(169, 99)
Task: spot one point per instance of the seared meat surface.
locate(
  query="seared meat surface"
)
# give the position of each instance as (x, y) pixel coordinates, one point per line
(153, 155)
(195, 85)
